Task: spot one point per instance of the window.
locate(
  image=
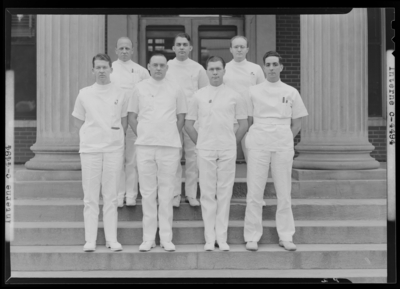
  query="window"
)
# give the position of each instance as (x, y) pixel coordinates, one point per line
(160, 39)
(215, 40)
(23, 62)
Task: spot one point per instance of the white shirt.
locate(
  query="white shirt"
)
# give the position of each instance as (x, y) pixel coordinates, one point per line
(272, 106)
(190, 75)
(215, 109)
(101, 107)
(241, 75)
(127, 74)
(157, 104)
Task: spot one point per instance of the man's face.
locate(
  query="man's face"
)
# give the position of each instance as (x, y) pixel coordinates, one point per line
(158, 67)
(182, 48)
(239, 49)
(102, 71)
(215, 73)
(272, 68)
(124, 49)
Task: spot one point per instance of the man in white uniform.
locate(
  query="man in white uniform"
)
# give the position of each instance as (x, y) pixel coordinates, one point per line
(100, 112)
(125, 75)
(215, 107)
(241, 74)
(277, 109)
(191, 76)
(156, 115)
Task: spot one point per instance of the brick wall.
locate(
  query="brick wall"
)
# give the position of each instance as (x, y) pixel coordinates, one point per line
(377, 137)
(24, 138)
(288, 46)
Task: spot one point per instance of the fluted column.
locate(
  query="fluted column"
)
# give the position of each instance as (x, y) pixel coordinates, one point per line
(334, 86)
(66, 45)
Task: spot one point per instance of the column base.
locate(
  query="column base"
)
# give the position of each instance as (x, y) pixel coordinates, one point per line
(316, 157)
(54, 159)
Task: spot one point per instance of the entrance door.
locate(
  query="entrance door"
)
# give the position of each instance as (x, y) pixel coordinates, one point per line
(210, 36)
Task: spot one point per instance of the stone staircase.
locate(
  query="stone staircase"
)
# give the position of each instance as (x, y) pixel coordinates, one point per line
(340, 222)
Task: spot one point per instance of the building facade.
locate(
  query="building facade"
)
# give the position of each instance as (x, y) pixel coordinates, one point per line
(335, 61)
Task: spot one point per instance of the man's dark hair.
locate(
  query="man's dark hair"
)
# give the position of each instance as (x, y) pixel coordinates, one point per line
(182, 35)
(102, 56)
(157, 54)
(215, 59)
(272, 53)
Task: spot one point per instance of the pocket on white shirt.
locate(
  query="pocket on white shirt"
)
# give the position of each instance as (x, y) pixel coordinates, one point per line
(286, 109)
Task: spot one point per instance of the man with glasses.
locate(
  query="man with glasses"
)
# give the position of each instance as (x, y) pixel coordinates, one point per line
(156, 115)
(191, 76)
(241, 74)
(126, 74)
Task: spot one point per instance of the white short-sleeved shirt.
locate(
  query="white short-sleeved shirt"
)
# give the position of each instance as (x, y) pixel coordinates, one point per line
(126, 74)
(189, 74)
(157, 104)
(241, 75)
(215, 109)
(101, 107)
(272, 106)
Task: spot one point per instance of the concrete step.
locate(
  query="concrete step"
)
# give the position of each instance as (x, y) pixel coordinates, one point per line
(71, 210)
(317, 275)
(192, 257)
(192, 232)
(321, 189)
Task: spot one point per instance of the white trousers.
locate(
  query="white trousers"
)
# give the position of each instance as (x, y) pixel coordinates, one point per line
(101, 169)
(157, 166)
(216, 177)
(191, 169)
(128, 183)
(257, 175)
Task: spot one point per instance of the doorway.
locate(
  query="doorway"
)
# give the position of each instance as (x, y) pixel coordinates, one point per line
(210, 35)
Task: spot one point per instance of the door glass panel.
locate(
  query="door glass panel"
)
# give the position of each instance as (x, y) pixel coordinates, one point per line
(160, 39)
(215, 41)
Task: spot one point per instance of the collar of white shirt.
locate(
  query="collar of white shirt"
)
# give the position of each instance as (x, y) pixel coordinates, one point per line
(101, 87)
(184, 62)
(241, 63)
(124, 62)
(216, 88)
(152, 81)
(277, 83)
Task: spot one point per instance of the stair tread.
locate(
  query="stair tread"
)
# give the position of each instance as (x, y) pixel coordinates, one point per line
(222, 273)
(326, 202)
(199, 248)
(193, 224)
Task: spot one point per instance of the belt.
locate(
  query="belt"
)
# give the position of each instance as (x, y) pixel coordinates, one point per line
(271, 120)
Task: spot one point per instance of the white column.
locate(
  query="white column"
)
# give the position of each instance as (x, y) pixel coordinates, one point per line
(334, 86)
(66, 45)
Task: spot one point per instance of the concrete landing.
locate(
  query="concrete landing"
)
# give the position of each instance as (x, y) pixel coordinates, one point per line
(354, 275)
(191, 257)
